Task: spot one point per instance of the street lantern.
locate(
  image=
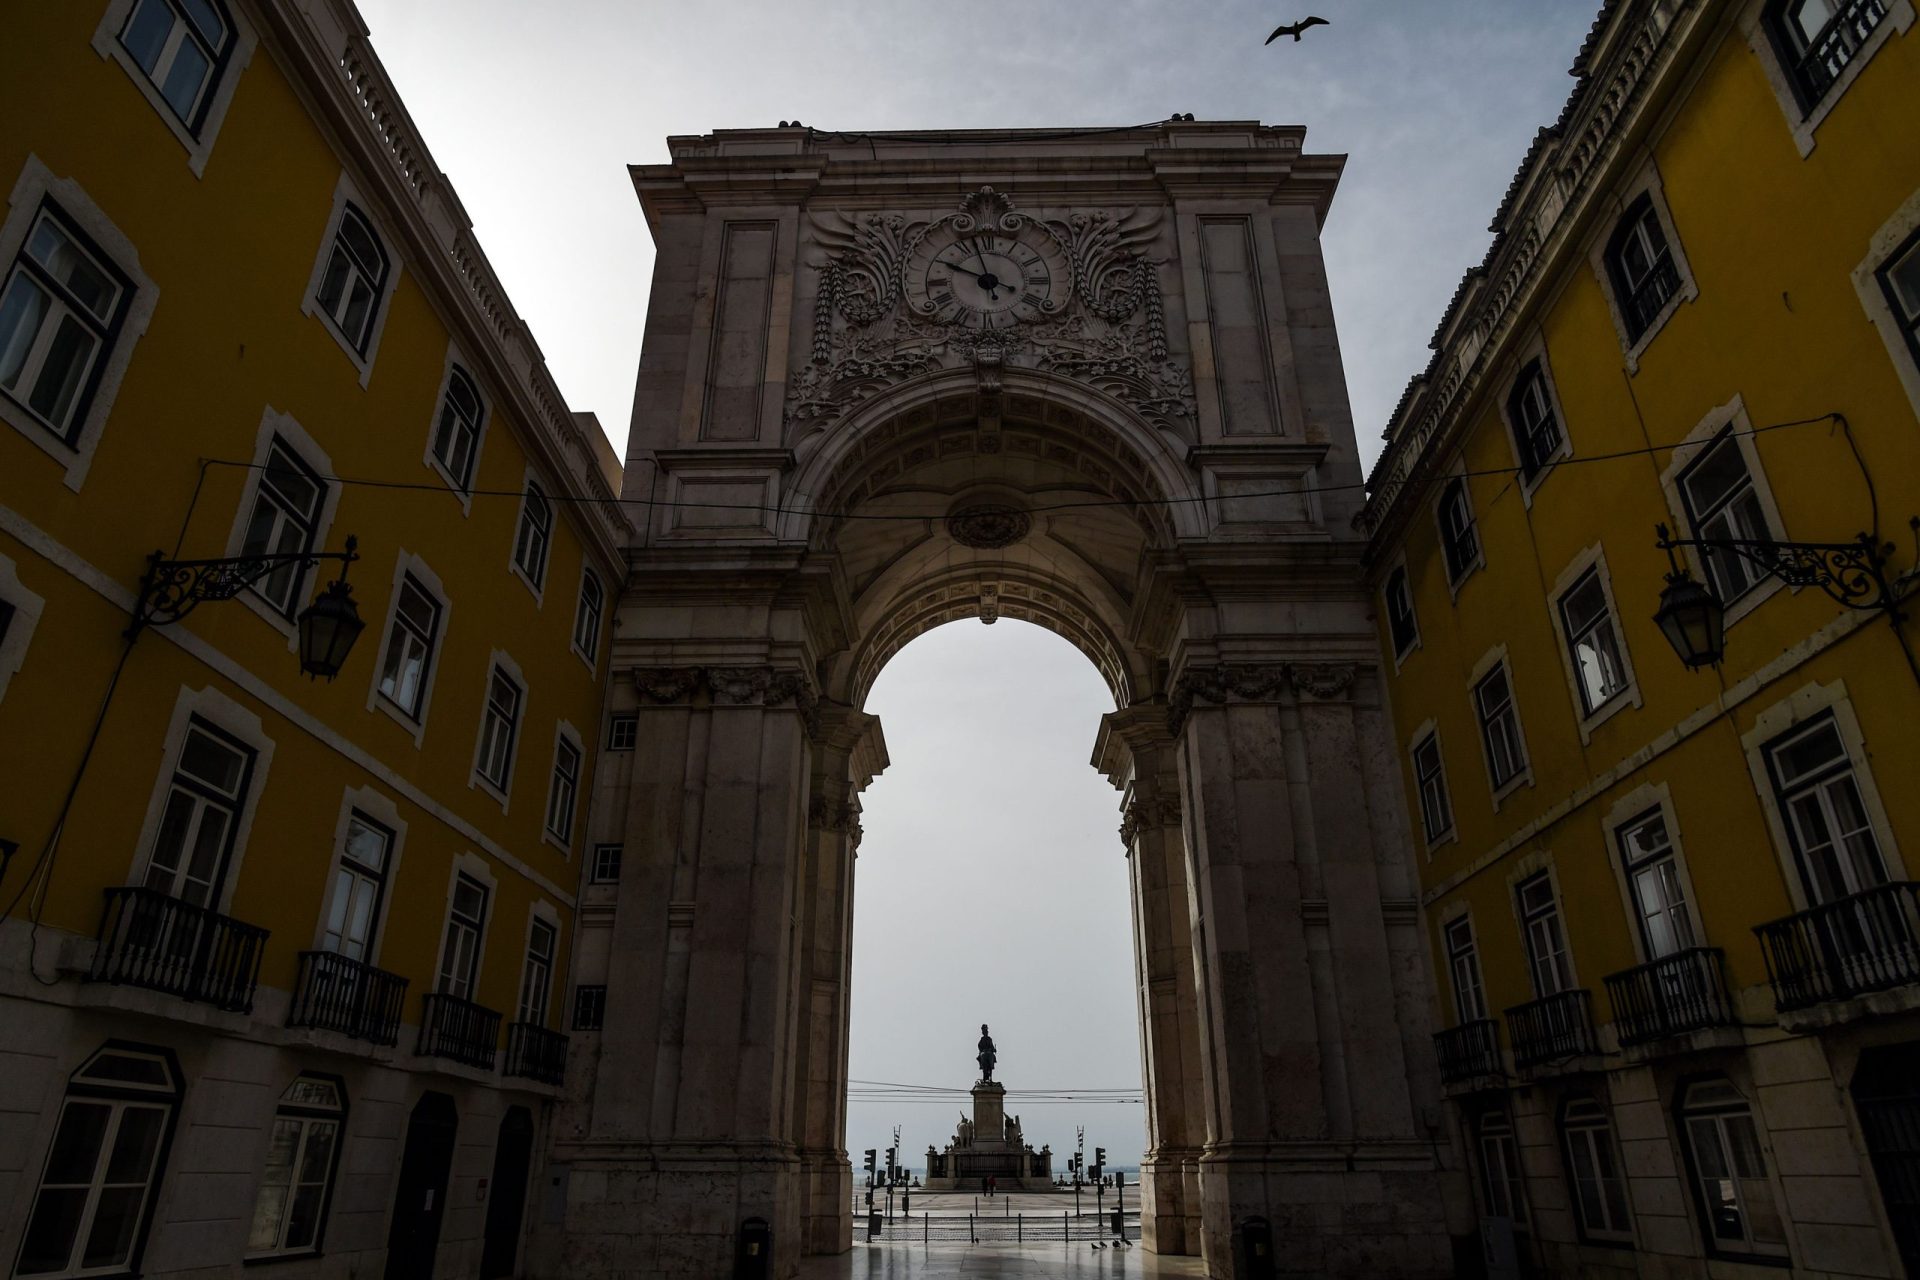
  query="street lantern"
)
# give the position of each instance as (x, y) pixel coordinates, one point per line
(328, 628)
(1693, 620)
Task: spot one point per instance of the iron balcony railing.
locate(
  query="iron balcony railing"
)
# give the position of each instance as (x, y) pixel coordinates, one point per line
(1644, 303)
(1829, 52)
(459, 1030)
(1552, 1028)
(535, 1053)
(1682, 992)
(336, 993)
(150, 939)
(1867, 941)
(1469, 1051)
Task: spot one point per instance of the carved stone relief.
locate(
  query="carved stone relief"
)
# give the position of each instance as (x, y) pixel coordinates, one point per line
(1261, 682)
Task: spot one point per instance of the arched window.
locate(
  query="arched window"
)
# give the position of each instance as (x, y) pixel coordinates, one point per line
(96, 1191)
(1400, 620)
(1536, 431)
(303, 1153)
(1729, 1172)
(1642, 267)
(355, 279)
(182, 45)
(1458, 539)
(1500, 1178)
(1599, 1190)
(530, 545)
(456, 437)
(1816, 39)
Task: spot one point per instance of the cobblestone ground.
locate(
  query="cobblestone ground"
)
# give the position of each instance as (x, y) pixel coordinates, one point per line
(1079, 1261)
(950, 1234)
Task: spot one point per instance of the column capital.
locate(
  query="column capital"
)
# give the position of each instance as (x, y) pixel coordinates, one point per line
(1125, 736)
(1146, 815)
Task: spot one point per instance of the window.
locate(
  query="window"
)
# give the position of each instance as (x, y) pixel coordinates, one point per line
(1536, 431)
(1825, 812)
(188, 860)
(1722, 503)
(536, 533)
(1593, 642)
(1499, 726)
(1463, 962)
(60, 312)
(606, 864)
(91, 1211)
(536, 979)
(1400, 622)
(1642, 268)
(466, 924)
(499, 725)
(6, 619)
(586, 617)
(589, 1008)
(1818, 38)
(1653, 873)
(1599, 1190)
(290, 1208)
(1900, 281)
(565, 788)
(285, 521)
(355, 279)
(1430, 781)
(353, 914)
(1546, 944)
(410, 641)
(1729, 1171)
(1458, 540)
(182, 46)
(621, 732)
(456, 439)
(1500, 1169)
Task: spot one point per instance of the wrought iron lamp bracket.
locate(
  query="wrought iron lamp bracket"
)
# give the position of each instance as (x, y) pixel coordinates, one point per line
(1853, 574)
(170, 589)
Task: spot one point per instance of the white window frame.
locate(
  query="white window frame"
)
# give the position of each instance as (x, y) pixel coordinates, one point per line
(501, 662)
(1513, 1181)
(474, 868)
(1687, 1110)
(1643, 801)
(1496, 659)
(223, 713)
(1535, 352)
(275, 424)
(590, 656)
(27, 608)
(1804, 122)
(1399, 565)
(1729, 416)
(1629, 696)
(1540, 871)
(35, 185)
(1892, 236)
(1462, 918)
(406, 564)
(534, 484)
(308, 1116)
(597, 862)
(346, 192)
(462, 492)
(1647, 183)
(1599, 1141)
(219, 94)
(1803, 705)
(1478, 560)
(613, 719)
(540, 914)
(1428, 729)
(381, 809)
(565, 735)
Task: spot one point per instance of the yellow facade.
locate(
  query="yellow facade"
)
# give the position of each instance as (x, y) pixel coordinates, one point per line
(1781, 215)
(222, 224)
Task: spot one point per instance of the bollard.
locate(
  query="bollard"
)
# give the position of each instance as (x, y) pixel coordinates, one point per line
(754, 1259)
(1019, 1228)
(971, 1238)
(873, 1224)
(1119, 1223)
(1066, 1227)
(1253, 1250)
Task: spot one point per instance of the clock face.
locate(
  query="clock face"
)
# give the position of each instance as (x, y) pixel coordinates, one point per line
(988, 278)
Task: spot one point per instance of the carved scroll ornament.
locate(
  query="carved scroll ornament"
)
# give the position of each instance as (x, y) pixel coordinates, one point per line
(1256, 682)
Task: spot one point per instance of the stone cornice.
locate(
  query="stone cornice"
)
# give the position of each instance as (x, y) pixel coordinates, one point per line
(1269, 682)
(755, 686)
(1633, 48)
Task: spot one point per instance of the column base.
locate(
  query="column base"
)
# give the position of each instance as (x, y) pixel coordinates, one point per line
(1170, 1202)
(1373, 1209)
(826, 1214)
(649, 1212)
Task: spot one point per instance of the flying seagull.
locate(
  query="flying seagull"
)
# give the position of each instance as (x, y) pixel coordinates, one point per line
(1294, 29)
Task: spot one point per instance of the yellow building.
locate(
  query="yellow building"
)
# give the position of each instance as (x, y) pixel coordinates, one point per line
(284, 959)
(1677, 941)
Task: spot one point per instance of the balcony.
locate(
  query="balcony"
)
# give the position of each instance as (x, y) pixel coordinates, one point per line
(1469, 1051)
(149, 939)
(1829, 52)
(459, 1030)
(1864, 942)
(335, 993)
(1643, 304)
(1686, 991)
(1552, 1029)
(535, 1053)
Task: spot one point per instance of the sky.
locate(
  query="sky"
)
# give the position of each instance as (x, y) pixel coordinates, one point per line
(991, 884)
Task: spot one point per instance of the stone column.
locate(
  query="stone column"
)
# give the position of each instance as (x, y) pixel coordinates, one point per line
(690, 1137)
(848, 752)
(1136, 753)
(1303, 925)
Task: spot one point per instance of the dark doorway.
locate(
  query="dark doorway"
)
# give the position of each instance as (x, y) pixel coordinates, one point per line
(420, 1199)
(1886, 1096)
(507, 1197)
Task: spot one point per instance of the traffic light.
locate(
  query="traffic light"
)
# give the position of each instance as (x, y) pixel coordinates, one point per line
(873, 1163)
(1099, 1162)
(892, 1165)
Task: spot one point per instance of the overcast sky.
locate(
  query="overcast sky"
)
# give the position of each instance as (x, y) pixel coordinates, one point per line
(990, 855)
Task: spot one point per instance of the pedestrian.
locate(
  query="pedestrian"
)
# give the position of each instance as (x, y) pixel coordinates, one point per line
(993, 1185)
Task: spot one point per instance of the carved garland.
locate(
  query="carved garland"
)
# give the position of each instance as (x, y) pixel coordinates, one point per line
(1261, 682)
(865, 340)
(729, 687)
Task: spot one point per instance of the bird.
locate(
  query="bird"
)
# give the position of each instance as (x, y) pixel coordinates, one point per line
(1294, 29)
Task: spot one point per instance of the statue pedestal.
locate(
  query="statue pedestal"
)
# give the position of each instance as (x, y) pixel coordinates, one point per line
(989, 1110)
(988, 1147)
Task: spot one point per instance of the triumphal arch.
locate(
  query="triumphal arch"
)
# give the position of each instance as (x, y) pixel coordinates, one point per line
(1084, 378)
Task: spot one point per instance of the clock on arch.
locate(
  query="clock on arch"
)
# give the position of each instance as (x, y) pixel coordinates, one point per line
(987, 273)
